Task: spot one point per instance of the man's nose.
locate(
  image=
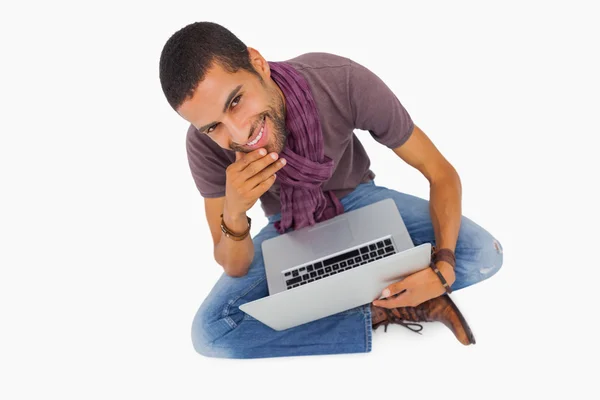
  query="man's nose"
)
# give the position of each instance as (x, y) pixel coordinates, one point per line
(239, 129)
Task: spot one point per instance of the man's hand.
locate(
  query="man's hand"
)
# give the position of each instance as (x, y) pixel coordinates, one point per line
(417, 288)
(248, 178)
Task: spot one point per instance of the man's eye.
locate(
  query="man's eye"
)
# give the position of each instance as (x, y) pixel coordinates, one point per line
(236, 101)
(212, 128)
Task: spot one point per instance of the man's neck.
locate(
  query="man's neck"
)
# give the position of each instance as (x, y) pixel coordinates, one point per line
(280, 94)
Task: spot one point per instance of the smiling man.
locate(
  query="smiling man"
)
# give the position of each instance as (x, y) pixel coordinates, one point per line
(283, 132)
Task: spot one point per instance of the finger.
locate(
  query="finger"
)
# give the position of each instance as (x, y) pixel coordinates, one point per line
(265, 174)
(257, 166)
(262, 187)
(394, 288)
(243, 160)
(401, 300)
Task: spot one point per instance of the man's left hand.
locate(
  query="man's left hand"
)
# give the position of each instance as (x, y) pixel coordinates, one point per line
(417, 288)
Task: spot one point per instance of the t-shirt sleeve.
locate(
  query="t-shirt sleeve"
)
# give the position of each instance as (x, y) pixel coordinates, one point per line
(208, 164)
(375, 108)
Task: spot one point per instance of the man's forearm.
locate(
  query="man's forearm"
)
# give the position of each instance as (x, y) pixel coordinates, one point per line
(235, 256)
(446, 211)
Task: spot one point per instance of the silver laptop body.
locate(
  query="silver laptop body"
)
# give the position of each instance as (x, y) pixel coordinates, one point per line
(335, 265)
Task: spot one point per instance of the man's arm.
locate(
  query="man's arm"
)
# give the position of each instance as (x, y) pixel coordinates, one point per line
(376, 109)
(445, 209)
(233, 256)
(248, 178)
(445, 187)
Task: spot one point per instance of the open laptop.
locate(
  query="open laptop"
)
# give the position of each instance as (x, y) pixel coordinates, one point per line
(335, 265)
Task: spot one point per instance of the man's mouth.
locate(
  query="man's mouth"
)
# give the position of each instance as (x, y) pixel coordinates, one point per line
(258, 135)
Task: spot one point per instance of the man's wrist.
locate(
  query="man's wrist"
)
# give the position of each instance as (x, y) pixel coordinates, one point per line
(447, 270)
(236, 222)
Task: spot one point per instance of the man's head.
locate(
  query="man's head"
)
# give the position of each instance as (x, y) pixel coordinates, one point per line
(223, 88)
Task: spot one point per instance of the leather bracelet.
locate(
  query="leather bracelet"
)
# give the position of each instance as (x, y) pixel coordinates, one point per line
(235, 236)
(439, 274)
(444, 254)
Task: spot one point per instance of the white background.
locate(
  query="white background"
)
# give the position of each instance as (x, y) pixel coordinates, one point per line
(105, 254)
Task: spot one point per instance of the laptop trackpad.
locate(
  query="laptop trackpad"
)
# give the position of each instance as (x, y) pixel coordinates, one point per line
(331, 237)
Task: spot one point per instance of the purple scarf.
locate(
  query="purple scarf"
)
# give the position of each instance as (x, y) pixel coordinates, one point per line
(303, 201)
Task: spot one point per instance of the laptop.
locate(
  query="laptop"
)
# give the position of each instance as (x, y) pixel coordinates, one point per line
(335, 265)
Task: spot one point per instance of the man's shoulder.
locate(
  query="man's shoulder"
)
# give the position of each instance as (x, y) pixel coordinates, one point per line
(325, 72)
(320, 60)
(192, 137)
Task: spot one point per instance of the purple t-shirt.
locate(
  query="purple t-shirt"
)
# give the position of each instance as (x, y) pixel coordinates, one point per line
(348, 96)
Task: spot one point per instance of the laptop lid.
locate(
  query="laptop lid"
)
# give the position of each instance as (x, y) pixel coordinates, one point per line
(341, 233)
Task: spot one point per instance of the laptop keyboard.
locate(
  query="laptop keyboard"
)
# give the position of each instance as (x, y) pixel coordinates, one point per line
(323, 268)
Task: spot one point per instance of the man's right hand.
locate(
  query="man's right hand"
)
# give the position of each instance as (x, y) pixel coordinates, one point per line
(248, 178)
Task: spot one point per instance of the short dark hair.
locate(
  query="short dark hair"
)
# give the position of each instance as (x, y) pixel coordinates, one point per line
(191, 52)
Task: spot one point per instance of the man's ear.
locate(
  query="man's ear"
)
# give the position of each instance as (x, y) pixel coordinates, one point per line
(258, 61)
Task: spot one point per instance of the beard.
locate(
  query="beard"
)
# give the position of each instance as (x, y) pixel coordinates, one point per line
(278, 133)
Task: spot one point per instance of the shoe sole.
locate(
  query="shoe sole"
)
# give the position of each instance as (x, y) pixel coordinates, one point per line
(463, 321)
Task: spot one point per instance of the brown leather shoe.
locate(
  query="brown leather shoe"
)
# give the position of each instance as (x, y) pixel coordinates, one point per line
(441, 309)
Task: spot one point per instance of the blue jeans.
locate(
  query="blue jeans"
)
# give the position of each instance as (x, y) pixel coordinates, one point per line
(220, 329)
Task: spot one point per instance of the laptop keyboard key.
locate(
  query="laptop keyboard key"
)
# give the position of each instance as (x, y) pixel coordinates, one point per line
(341, 257)
(294, 280)
(387, 242)
(380, 245)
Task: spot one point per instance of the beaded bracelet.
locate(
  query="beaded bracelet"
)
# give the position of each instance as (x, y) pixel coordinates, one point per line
(232, 235)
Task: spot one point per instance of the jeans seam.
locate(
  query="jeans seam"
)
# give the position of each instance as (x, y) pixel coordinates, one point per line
(368, 329)
(230, 303)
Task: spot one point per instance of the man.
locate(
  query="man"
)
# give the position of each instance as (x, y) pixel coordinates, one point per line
(284, 133)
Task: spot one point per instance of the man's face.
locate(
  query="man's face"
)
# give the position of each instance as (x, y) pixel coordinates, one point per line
(239, 111)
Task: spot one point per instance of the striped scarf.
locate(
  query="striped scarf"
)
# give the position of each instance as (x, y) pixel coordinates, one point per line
(303, 202)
